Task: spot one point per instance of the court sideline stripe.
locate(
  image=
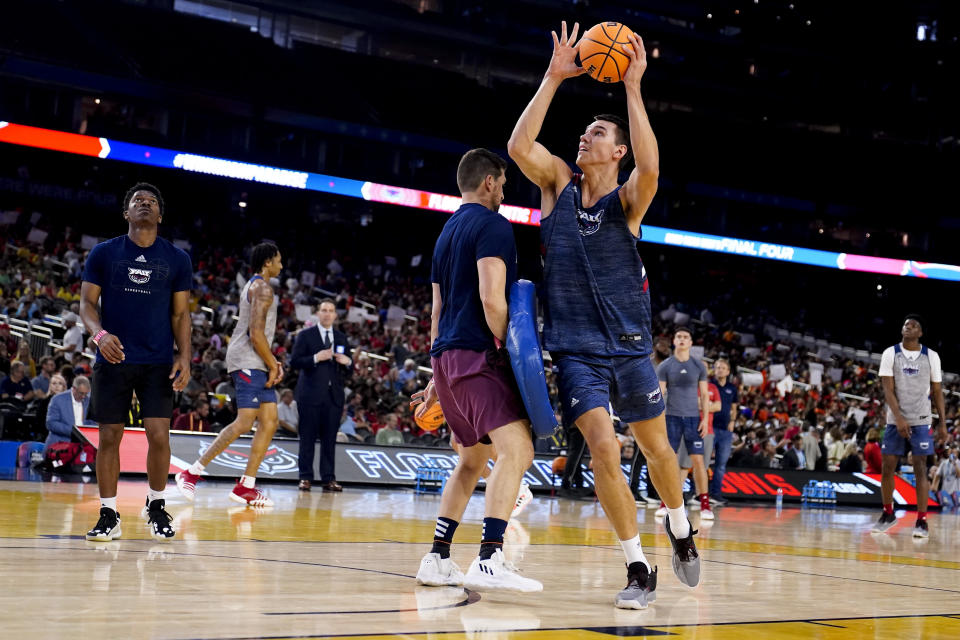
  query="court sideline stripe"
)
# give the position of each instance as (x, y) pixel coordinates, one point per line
(593, 629)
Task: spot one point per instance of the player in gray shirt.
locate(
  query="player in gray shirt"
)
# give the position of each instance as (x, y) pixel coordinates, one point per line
(683, 380)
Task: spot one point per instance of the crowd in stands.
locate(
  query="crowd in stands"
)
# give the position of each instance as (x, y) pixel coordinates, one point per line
(837, 419)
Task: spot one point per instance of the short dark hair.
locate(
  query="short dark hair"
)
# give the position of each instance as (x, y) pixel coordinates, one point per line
(682, 328)
(142, 186)
(622, 136)
(475, 166)
(324, 301)
(261, 253)
(915, 317)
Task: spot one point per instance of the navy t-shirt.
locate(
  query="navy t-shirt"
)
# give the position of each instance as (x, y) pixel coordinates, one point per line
(472, 233)
(136, 299)
(728, 395)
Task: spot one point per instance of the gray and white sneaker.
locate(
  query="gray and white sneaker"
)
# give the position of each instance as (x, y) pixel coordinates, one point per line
(107, 527)
(439, 572)
(641, 588)
(921, 530)
(686, 558)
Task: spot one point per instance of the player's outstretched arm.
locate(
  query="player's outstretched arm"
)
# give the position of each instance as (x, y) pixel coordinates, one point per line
(539, 165)
(641, 186)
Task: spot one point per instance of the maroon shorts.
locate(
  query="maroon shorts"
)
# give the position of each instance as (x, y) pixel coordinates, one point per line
(477, 393)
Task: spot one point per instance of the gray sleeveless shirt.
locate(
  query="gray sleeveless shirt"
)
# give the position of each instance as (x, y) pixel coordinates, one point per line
(240, 352)
(911, 383)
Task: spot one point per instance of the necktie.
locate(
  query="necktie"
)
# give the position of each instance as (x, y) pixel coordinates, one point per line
(326, 339)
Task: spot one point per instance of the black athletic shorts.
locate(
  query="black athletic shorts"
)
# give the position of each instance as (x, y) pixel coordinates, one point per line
(112, 388)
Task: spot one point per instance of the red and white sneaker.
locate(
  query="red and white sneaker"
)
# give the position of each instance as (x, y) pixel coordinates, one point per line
(250, 496)
(187, 484)
(523, 499)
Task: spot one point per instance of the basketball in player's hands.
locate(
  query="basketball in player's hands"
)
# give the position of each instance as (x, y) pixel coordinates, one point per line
(429, 418)
(601, 51)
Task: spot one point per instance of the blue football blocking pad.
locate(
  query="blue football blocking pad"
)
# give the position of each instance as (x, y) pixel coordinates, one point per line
(526, 358)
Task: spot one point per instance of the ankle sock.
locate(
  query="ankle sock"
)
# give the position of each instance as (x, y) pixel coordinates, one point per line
(888, 509)
(704, 501)
(633, 551)
(110, 503)
(154, 495)
(248, 481)
(679, 525)
(492, 539)
(196, 468)
(443, 536)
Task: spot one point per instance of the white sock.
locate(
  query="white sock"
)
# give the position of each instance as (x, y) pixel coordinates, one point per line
(679, 524)
(154, 495)
(248, 481)
(633, 551)
(110, 503)
(196, 468)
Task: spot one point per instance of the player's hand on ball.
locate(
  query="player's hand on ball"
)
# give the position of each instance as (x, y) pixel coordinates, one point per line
(426, 397)
(563, 64)
(638, 60)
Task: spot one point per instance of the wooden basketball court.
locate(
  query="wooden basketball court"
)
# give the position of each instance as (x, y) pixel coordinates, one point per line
(332, 565)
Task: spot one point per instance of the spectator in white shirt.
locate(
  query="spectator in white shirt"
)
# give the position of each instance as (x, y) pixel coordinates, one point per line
(72, 339)
(287, 411)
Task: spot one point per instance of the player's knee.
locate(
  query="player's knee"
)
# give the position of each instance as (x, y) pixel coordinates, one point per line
(110, 436)
(659, 451)
(606, 452)
(520, 454)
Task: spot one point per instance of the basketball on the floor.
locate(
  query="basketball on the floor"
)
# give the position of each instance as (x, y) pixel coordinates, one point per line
(429, 419)
(601, 51)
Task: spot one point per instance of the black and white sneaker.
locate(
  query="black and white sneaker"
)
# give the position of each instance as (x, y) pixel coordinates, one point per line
(159, 521)
(886, 521)
(686, 558)
(107, 527)
(641, 587)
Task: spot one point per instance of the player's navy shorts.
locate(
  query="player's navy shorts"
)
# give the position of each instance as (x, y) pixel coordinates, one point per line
(251, 388)
(685, 428)
(683, 458)
(112, 387)
(477, 393)
(921, 441)
(629, 383)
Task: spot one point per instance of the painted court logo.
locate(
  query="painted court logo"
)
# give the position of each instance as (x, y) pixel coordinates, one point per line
(276, 461)
(139, 276)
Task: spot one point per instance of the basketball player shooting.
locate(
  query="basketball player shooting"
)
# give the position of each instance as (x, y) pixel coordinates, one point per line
(597, 303)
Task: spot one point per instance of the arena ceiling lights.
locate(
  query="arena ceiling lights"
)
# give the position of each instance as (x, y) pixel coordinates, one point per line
(114, 150)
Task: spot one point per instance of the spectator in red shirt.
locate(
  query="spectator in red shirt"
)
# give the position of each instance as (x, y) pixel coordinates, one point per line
(871, 452)
(196, 420)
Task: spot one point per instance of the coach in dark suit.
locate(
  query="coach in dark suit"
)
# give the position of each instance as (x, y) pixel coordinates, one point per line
(793, 458)
(321, 354)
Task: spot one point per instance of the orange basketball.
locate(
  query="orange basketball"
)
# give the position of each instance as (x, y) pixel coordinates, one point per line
(559, 464)
(601, 51)
(429, 419)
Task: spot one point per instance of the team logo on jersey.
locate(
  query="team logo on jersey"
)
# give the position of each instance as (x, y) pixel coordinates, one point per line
(589, 222)
(140, 258)
(654, 397)
(139, 276)
(911, 371)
